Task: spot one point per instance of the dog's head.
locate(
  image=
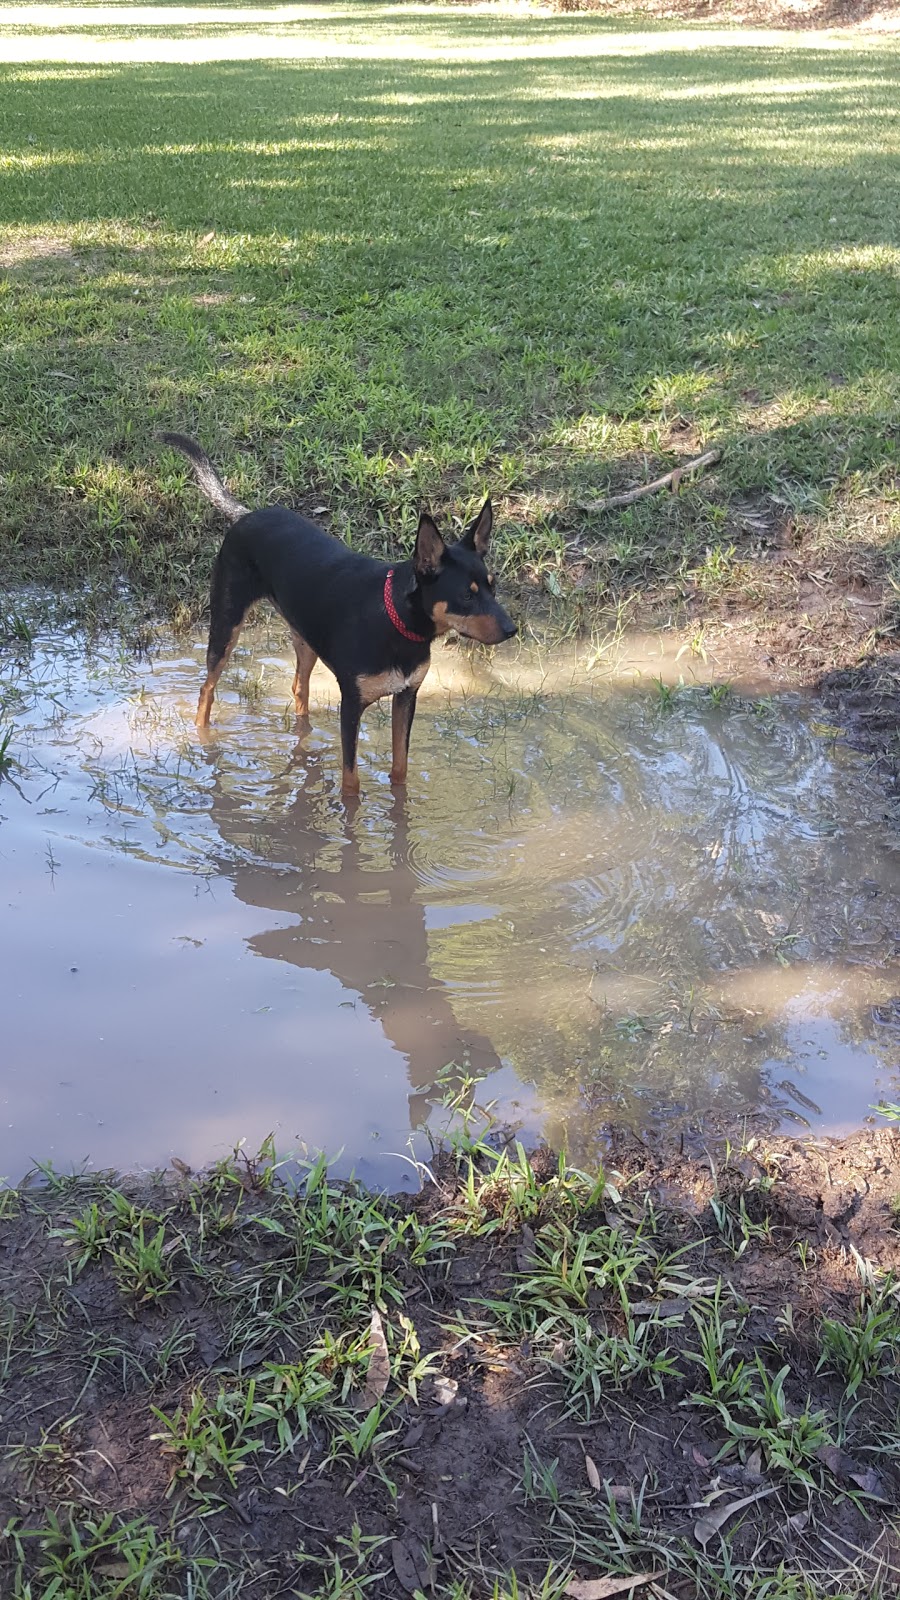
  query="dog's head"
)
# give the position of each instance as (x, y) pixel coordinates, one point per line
(455, 587)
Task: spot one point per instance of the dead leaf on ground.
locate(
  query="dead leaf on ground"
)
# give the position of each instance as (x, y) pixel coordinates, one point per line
(593, 1475)
(844, 1466)
(181, 1166)
(411, 1565)
(798, 1521)
(660, 1308)
(700, 1459)
(869, 1482)
(602, 1588)
(445, 1390)
(706, 1527)
(379, 1370)
(208, 237)
(243, 1360)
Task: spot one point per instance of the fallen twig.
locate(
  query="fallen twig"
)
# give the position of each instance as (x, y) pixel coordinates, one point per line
(671, 480)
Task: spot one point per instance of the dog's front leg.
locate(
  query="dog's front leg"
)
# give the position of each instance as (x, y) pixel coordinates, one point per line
(403, 709)
(351, 712)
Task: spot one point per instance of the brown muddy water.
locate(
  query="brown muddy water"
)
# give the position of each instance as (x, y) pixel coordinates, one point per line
(611, 899)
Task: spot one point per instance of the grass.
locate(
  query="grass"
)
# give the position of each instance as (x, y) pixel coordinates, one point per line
(100, 1559)
(868, 1346)
(389, 256)
(326, 1360)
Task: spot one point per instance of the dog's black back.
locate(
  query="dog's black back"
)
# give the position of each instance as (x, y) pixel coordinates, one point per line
(331, 595)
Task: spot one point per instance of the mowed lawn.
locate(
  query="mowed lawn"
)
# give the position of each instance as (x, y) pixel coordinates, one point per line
(372, 254)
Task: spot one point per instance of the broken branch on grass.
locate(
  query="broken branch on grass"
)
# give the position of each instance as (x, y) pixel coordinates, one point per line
(670, 480)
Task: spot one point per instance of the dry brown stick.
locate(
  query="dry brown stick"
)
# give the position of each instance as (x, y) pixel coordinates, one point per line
(671, 480)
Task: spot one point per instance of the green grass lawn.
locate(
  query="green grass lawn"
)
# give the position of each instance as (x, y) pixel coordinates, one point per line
(383, 254)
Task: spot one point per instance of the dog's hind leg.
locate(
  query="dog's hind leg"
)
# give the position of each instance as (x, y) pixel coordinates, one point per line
(234, 591)
(306, 660)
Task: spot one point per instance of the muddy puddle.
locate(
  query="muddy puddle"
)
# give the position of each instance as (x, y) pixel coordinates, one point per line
(612, 898)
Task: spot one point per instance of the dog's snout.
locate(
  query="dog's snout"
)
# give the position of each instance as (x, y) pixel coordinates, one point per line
(509, 630)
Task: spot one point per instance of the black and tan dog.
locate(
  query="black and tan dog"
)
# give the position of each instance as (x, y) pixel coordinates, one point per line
(371, 623)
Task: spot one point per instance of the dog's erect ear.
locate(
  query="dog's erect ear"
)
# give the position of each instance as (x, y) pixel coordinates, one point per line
(477, 536)
(430, 547)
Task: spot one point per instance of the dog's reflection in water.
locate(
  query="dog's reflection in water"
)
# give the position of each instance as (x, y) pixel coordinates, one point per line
(354, 898)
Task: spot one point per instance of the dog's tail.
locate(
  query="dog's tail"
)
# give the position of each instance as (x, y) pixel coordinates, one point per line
(206, 476)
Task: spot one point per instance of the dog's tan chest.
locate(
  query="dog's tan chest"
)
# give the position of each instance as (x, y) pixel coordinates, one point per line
(375, 685)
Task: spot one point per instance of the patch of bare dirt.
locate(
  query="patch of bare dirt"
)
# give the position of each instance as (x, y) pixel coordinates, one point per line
(830, 1192)
(36, 253)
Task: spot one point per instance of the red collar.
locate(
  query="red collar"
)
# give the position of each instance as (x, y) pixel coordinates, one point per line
(393, 613)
